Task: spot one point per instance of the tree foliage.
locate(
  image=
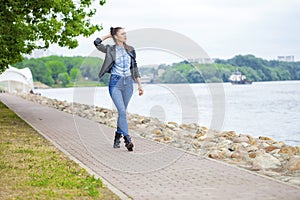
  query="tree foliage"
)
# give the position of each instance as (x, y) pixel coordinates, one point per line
(259, 69)
(63, 78)
(256, 69)
(26, 25)
(75, 74)
(61, 70)
(48, 69)
(56, 68)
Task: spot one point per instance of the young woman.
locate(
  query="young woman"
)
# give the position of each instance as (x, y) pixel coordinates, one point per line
(121, 63)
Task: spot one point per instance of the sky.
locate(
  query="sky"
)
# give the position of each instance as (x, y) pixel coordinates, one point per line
(222, 28)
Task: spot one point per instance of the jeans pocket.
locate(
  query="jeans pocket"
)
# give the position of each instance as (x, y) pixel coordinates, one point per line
(114, 79)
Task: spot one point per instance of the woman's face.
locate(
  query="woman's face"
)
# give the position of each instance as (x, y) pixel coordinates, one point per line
(121, 35)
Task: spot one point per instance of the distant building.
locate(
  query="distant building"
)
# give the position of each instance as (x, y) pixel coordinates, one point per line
(201, 60)
(285, 58)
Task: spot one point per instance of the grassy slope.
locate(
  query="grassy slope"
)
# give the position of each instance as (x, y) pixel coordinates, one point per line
(31, 167)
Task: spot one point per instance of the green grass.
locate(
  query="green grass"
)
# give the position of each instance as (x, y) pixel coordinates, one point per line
(32, 168)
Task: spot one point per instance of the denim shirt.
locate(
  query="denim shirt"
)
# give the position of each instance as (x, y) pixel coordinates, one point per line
(122, 63)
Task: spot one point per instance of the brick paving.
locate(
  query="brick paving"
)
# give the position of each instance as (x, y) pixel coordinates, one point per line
(152, 170)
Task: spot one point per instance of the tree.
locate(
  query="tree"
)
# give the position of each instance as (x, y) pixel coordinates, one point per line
(208, 71)
(75, 74)
(24, 22)
(56, 67)
(90, 68)
(63, 78)
(172, 76)
(75, 62)
(194, 76)
(38, 69)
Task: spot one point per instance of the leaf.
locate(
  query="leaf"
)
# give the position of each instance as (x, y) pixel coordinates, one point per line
(22, 23)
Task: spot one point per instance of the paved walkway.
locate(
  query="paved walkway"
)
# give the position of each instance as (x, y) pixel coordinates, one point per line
(152, 170)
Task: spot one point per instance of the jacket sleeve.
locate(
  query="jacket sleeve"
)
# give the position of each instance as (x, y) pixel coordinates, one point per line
(135, 67)
(100, 46)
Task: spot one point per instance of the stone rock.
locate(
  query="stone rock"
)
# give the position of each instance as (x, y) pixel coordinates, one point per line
(290, 150)
(170, 133)
(252, 154)
(193, 126)
(101, 114)
(200, 137)
(282, 157)
(228, 134)
(224, 144)
(173, 123)
(263, 144)
(252, 141)
(157, 131)
(158, 139)
(241, 138)
(215, 154)
(146, 121)
(278, 144)
(281, 144)
(251, 148)
(270, 148)
(183, 126)
(270, 173)
(225, 152)
(275, 151)
(234, 147)
(199, 133)
(245, 144)
(294, 181)
(265, 161)
(235, 155)
(293, 164)
(201, 130)
(208, 145)
(196, 145)
(170, 126)
(265, 138)
(141, 126)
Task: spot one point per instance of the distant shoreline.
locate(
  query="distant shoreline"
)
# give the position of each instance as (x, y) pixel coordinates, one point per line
(96, 84)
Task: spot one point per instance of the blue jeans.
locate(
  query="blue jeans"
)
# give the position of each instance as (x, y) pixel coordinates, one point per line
(120, 90)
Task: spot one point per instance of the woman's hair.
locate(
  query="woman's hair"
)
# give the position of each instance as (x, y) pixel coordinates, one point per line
(114, 31)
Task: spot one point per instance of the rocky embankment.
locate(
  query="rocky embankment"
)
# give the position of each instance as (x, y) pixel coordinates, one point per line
(262, 155)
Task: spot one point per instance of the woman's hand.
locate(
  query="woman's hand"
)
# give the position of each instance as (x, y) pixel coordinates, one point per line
(141, 90)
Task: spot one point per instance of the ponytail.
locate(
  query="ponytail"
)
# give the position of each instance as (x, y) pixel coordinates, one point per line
(114, 31)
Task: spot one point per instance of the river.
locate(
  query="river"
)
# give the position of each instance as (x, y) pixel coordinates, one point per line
(262, 109)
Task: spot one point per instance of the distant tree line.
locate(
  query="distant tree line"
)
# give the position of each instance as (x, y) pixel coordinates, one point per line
(254, 68)
(259, 69)
(58, 70)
